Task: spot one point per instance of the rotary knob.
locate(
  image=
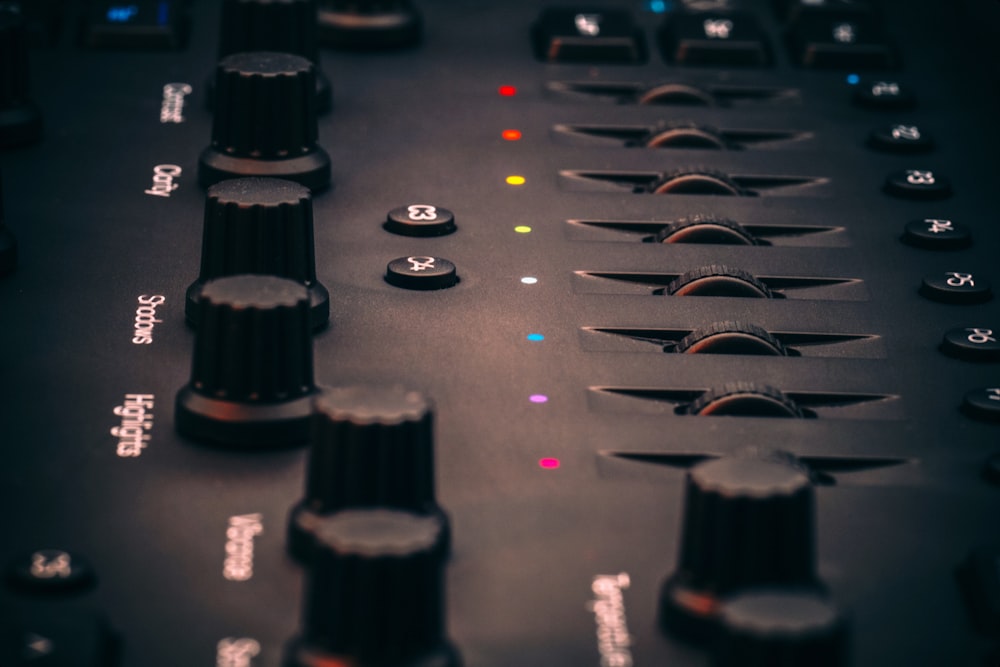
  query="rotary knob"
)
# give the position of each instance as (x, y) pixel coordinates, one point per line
(697, 181)
(719, 280)
(685, 134)
(748, 521)
(20, 119)
(369, 24)
(252, 375)
(288, 26)
(8, 244)
(707, 230)
(731, 338)
(781, 628)
(375, 593)
(744, 399)
(372, 446)
(259, 225)
(265, 121)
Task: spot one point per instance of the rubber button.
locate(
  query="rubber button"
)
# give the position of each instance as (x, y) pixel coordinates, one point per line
(50, 637)
(732, 38)
(956, 287)
(983, 404)
(50, 571)
(884, 96)
(421, 272)
(937, 234)
(917, 184)
(420, 220)
(141, 25)
(900, 138)
(972, 344)
(565, 34)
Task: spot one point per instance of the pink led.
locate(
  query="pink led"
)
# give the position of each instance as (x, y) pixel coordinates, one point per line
(549, 464)
(538, 398)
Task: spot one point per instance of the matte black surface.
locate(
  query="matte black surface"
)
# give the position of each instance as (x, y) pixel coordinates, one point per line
(560, 461)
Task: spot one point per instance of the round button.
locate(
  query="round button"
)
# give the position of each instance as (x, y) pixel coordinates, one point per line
(420, 220)
(972, 344)
(983, 404)
(900, 138)
(50, 571)
(937, 234)
(956, 287)
(421, 272)
(922, 184)
(884, 95)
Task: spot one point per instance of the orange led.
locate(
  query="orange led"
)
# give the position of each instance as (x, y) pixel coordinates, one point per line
(507, 91)
(511, 135)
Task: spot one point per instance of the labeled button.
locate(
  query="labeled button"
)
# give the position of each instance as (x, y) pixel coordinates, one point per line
(138, 24)
(421, 272)
(921, 184)
(972, 344)
(713, 39)
(420, 220)
(956, 287)
(50, 571)
(836, 42)
(900, 138)
(884, 95)
(983, 404)
(49, 637)
(577, 35)
(937, 234)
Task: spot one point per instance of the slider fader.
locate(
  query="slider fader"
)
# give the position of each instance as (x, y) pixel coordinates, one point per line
(421, 333)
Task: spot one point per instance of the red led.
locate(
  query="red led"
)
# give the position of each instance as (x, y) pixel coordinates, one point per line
(549, 464)
(511, 135)
(508, 91)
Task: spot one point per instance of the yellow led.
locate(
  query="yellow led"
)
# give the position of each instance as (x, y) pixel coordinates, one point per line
(515, 180)
(523, 229)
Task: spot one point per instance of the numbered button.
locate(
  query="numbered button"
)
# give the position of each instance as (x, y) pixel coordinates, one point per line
(956, 287)
(917, 184)
(937, 234)
(983, 404)
(884, 96)
(901, 138)
(972, 344)
(566, 35)
(421, 272)
(420, 220)
(714, 39)
(50, 571)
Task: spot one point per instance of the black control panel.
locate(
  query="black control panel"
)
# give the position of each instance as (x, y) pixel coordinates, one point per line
(392, 334)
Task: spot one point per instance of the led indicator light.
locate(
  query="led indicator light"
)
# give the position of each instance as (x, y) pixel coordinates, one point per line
(538, 398)
(658, 6)
(536, 337)
(516, 180)
(523, 229)
(122, 13)
(511, 135)
(548, 464)
(853, 79)
(507, 91)
(529, 280)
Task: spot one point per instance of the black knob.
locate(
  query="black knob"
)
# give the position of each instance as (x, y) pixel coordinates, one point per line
(259, 225)
(286, 26)
(375, 593)
(8, 244)
(265, 121)
(748, 521)
(369, 24)
(697, 181)
(685, 134)
(719, 280)
(371, 446)
(252, 374)
(731, 338)
(781, 628)
(707, 230)
(744, 399)
(20, 119)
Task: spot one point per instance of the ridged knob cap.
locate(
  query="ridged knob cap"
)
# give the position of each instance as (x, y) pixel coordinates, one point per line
(264, 121)
(252, 374)
(375, 593)
(263, 226)
(20, 119)
(284, 26)
(747, 522)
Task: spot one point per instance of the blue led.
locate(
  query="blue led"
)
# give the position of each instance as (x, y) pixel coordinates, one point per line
(122, 13)
(163, 13)
(535, 337)
(853, 79)
(658, 6)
